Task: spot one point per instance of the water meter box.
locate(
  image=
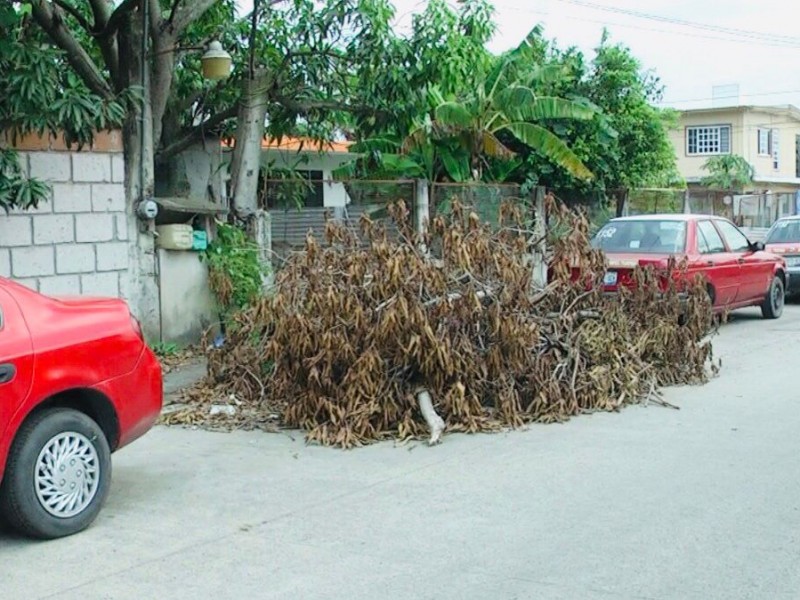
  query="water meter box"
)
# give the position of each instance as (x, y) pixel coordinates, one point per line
(175, 237)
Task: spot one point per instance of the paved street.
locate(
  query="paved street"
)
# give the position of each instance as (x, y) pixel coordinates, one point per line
(700, 503)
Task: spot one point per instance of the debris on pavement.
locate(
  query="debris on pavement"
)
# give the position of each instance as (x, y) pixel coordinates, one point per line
(367, 329)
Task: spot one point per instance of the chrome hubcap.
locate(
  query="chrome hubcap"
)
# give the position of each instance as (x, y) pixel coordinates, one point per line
(67, 474)
(777, 296)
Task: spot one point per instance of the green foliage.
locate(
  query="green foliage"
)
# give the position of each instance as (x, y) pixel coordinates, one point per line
(165, 349)
(16, 190)
(42, 95)
(626, 143)
(236, 273)
(728, 172)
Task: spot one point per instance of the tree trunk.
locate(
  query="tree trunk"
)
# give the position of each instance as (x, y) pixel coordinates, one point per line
(246, 163)
(141, 288)
(622, 198)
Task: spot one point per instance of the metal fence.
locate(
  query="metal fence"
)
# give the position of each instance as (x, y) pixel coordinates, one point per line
(484, 199)
(653, 201)
(298, 207)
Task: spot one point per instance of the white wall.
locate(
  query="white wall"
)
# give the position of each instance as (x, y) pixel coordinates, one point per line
(187, 305)
(79, 241)
(334, 192)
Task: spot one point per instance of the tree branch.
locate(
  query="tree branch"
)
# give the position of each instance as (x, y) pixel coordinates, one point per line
(82, 21)
(186, 13)
(303, 106)
(46, 15)
(118, 16)
(174, 8)
(101, 10)
(196, 133)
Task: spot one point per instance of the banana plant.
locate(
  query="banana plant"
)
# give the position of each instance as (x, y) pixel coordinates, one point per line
(505, 106)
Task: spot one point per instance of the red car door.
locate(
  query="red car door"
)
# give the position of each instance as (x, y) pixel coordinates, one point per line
(719, 266)
(755, 273)
(16, 359)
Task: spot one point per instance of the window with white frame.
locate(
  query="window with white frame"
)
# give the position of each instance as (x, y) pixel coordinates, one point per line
(708, 139)
(769, 145)
(775, 140)
(764, 142)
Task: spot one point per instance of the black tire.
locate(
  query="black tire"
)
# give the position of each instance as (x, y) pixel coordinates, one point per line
(772, 306)
(19, 499)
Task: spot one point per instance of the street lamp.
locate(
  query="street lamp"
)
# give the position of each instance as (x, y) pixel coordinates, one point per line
(216, 62)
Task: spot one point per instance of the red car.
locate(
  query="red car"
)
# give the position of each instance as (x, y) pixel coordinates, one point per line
(783, 239)
(78, 382)
(738, 272)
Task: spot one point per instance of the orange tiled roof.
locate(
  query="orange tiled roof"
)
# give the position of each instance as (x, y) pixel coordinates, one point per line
(296, 144)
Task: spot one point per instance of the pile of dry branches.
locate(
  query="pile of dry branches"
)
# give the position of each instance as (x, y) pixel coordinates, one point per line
(372, 336)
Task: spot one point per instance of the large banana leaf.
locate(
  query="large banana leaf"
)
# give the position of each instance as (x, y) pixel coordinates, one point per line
(549, 107)
(513, 96)
(550, 146)
(456, 164)
(494, 147)
(453, 114)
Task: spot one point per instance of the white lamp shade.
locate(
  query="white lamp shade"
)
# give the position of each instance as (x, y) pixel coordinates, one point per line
(216, 62)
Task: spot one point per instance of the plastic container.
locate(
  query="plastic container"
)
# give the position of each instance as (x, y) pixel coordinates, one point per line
(175, 237)
(200, 240)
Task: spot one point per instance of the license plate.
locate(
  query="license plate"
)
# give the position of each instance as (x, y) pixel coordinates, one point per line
(610, 278)
(793, 261)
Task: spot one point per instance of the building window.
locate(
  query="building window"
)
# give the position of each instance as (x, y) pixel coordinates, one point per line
(764, 142)
(775, 139)
(714, 139)
(797, 156)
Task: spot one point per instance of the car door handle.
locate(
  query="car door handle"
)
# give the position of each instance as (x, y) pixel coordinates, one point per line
(7, 373)
(740, 261)
(709, 263)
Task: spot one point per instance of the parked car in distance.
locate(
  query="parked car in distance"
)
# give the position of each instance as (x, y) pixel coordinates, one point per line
(77, 382)
(783, 239)
(738, 273)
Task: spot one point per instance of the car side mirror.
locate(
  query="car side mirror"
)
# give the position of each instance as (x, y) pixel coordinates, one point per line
(757, 246)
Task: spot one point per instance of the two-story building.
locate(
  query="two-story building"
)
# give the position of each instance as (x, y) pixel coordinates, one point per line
(768, 137)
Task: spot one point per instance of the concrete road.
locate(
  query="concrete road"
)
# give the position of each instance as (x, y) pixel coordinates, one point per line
(700, 503)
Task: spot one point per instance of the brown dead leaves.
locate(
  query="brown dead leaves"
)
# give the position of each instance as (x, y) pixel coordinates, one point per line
(362, 322)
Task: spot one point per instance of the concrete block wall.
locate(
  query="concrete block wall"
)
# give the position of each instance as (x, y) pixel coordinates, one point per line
(77, 243)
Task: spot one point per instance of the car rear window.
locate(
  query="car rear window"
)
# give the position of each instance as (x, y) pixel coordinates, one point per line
(642, 237)
(784, 232)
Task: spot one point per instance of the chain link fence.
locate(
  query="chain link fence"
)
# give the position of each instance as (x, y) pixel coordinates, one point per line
(484, 199)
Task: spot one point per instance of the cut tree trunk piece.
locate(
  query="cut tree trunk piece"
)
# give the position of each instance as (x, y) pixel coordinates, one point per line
(434, 421)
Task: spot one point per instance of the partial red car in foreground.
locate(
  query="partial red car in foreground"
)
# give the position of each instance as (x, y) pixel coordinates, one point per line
(77, 382)
(738, 273)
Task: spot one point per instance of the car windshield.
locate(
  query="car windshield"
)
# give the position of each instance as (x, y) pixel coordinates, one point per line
(642, 237)
(784, 232)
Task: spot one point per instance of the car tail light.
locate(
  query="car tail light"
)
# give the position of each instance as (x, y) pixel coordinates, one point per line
(137, 327)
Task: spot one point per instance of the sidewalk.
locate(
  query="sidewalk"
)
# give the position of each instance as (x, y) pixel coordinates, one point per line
(181, 378)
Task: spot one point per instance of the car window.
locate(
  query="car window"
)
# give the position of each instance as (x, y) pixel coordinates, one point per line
(737, 241)
(702, 244)
(712, 239)
(645, 236)
(785, 231)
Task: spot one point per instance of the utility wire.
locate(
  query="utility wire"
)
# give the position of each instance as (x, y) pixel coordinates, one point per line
(793, 40)
(734, 40)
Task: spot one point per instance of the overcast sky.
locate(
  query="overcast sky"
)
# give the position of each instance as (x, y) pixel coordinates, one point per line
(763, 58)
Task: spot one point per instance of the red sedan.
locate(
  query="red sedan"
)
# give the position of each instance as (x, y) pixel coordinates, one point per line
(738, 272)
(78, 382)
(783, 239)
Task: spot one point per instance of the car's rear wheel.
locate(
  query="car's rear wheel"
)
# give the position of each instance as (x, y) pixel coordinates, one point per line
(58, 474)
(772, 306)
